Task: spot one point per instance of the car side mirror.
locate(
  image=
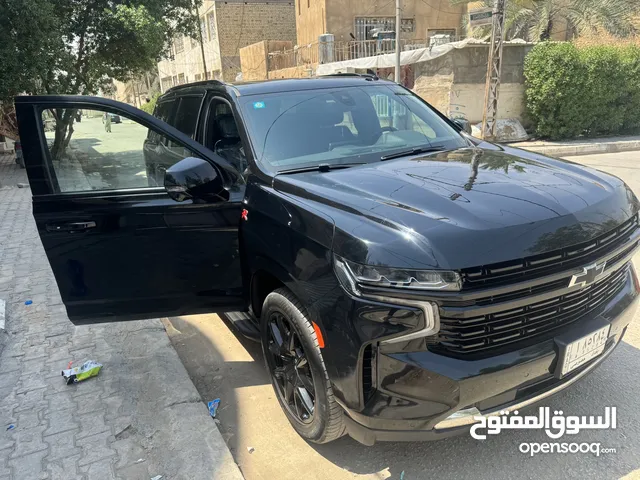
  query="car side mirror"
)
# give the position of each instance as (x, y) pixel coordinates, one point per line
(464, 125)
(196, 179)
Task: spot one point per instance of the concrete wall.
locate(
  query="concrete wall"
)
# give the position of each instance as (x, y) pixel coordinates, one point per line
(311, 20)
(242, 24)
(315, 17)
(254, 58)
(455, 83)
(302, 71)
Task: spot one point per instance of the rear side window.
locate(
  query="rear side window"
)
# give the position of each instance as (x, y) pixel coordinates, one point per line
(187, 115)
(163, 112)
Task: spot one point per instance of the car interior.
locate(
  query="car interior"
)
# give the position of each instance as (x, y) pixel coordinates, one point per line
(225, 138)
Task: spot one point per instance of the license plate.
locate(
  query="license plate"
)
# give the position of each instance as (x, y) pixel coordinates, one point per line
(585, 349)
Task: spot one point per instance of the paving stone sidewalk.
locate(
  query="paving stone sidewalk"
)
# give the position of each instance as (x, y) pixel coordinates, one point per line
(584, 146)
(141, 416)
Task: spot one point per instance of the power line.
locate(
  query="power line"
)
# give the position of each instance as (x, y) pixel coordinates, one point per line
(237, 50)
(451, 12)
(376, 8)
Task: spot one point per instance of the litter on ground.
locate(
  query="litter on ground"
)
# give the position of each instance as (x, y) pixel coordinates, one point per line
(213, 407)
(77, 374)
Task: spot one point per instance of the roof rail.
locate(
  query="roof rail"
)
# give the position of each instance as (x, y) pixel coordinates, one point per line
(201, 83)
(368, 76)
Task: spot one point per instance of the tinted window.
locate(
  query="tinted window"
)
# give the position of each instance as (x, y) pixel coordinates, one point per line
(106, 151)
(187, 115)
(343, 125)
(163, 112)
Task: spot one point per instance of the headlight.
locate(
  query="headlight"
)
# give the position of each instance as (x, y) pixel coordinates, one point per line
(353, 275)
(395, 277)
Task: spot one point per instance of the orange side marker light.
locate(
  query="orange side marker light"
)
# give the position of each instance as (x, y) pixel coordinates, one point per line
(316, 329)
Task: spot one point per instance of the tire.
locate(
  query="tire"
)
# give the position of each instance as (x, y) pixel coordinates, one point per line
(327, 421)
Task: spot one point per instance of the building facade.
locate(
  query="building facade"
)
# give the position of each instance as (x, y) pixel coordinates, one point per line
(137, 92)
(358, 19)
(226, 27)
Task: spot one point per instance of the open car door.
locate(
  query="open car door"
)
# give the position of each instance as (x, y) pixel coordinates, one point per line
(120, 246)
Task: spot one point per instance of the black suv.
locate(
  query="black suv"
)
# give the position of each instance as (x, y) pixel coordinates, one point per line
(402, 276)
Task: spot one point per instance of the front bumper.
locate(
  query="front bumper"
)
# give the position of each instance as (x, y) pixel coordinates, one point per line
(421, 395)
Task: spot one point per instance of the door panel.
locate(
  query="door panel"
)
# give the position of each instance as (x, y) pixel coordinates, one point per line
(119, 248)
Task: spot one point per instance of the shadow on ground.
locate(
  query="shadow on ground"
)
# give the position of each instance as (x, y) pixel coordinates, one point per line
(224, 364)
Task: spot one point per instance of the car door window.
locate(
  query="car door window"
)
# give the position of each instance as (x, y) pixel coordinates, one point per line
(95, 150)
(163, 111)
(224, 135)
(186, 117)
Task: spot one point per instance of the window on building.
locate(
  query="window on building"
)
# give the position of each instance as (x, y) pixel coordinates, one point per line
(211, 21)
(308, 3)
(194, 43)
(407, 25)
(366, 25)
(178, 43)
(299, 1)
(181, 79)
(203, 29)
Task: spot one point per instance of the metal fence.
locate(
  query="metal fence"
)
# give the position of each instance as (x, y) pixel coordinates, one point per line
(317, 52)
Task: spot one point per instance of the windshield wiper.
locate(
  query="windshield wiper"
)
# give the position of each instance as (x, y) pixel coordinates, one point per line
(414, 151)
(323, 167)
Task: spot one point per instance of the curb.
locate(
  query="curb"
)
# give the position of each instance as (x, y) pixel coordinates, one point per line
(581, 149)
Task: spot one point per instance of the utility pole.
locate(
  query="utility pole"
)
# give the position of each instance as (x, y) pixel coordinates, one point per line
(398, 13)
(199, 27)
(494, 70)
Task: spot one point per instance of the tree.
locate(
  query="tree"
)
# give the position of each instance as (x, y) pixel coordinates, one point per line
(81, 44)
(26, 57)
(536, 20)
(150, 106)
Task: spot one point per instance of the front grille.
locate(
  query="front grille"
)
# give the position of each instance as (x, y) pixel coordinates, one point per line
(548, 263)
(496, 330)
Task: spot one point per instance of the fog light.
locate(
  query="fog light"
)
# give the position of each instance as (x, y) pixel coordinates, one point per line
(459, 418)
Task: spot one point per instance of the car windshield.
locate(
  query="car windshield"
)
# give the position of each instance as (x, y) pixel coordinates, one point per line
(291, 130)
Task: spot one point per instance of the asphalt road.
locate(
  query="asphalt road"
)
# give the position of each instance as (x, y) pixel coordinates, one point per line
(223, 364)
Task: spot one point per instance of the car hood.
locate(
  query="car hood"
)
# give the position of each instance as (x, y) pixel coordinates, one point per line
(462, 208)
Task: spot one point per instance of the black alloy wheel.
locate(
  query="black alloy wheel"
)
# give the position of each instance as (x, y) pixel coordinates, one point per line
(293, 356)
(290, 368)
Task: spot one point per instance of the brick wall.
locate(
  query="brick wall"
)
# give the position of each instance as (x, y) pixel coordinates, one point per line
(241, 24)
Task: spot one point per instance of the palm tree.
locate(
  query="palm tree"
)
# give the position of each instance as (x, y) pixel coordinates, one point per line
(536, 20)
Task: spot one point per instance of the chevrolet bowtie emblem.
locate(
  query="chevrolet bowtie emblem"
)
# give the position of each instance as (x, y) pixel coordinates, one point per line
(588, 275)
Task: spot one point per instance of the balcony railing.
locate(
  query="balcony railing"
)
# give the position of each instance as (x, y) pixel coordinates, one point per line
(316, 52)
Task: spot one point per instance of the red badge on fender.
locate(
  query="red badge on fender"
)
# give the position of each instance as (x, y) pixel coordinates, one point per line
(245, 214)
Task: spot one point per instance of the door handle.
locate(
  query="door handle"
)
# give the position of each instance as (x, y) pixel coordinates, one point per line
(70, 227)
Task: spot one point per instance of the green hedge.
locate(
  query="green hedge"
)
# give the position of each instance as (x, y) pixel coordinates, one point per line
(590, 91)
(150, 106)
